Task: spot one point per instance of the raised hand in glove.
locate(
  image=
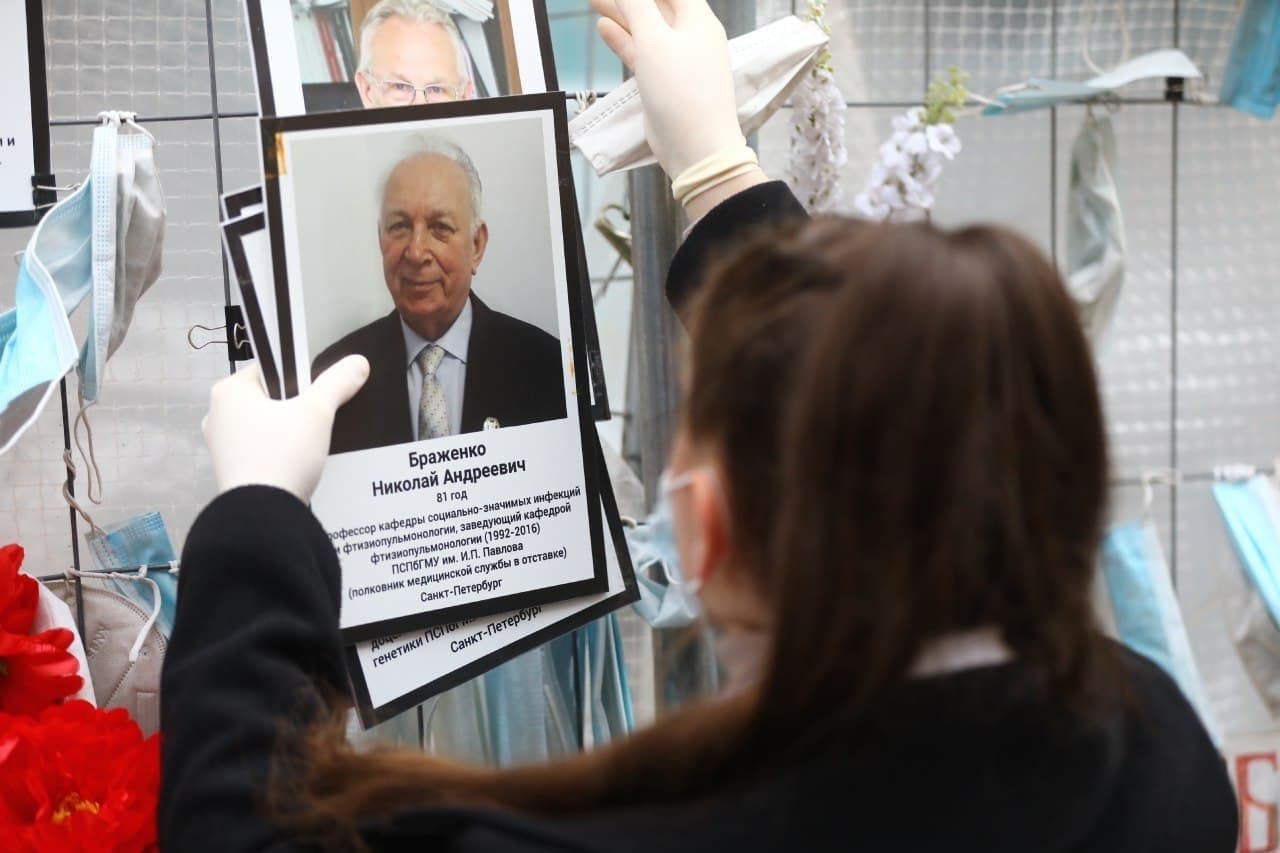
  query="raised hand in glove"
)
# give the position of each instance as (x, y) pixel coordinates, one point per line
(255, 440)
(679, 53)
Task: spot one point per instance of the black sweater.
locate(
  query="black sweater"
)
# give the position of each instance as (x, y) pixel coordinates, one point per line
(971, 761)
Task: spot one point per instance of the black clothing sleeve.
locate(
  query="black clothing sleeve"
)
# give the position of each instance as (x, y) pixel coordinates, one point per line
(255, 644)
(727, 226)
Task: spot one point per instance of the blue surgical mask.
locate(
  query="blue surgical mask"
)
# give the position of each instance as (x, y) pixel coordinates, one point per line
(37, 346)
(102, 241)
(1095, 233)
(667, 600)
(140, 541)
(128, 232)
(1039, 94)
(1147, 614)
(1252, 79)
(1251, 512)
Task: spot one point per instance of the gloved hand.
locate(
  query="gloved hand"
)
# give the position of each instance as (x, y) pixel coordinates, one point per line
(255, 440)
(680, 56)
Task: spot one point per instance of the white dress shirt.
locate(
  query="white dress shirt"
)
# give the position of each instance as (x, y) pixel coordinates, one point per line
(451, 374)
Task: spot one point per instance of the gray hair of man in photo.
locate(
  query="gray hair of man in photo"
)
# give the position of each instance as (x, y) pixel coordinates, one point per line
(421, 11)
(426, 144)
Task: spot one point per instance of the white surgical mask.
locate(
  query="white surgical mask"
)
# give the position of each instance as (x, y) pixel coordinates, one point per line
(767, 66)
(128, 237)
(1096, 245)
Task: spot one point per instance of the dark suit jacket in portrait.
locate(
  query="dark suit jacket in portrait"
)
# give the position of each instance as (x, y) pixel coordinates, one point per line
(514, 375)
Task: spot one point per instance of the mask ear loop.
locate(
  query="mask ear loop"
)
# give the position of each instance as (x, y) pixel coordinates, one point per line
(90, 457)
(1125, 43)
(131, 120)
(668, 484)
(1168, 477)
(119, 117)
(139, 577)
(71, 501)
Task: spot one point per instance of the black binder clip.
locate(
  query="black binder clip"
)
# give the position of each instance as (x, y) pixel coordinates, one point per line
(1175, 89)
(237, 339)
(44, 192)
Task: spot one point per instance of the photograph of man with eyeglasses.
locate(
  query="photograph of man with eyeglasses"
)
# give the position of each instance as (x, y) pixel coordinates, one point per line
(411, 52)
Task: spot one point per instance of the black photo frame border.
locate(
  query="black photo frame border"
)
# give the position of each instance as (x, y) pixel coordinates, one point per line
(234, 231)
(271, 128)
(235, 203)
(40, 144)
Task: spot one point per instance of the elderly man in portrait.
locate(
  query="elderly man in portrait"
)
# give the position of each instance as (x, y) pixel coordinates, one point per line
(412, 53)
(442, 362)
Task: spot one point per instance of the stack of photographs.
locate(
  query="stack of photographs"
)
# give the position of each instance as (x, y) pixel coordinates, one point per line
(417, 208)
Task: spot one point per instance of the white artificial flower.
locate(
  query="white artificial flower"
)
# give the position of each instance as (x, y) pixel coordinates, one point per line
(931, 170)
(912, 119)
(871, 208)
(879, 175)
(818, 152)
(890, 194)
(893, 158)
(916, 144)
(902, 183)
(916, 194)
(942, 138)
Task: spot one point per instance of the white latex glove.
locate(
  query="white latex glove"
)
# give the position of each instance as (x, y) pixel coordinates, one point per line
(680, 56)
(257, 441)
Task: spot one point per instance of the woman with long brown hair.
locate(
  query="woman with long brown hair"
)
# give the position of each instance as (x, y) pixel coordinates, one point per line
(890, 470)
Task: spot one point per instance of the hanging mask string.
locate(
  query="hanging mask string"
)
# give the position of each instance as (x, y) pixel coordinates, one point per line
(1151, 479)
(139, 577)
(1125, 45)
(71, 501)
(131, 120)
(119, 117)
(94, 478)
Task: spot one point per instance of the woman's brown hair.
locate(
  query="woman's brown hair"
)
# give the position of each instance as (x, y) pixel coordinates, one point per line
(911, 444)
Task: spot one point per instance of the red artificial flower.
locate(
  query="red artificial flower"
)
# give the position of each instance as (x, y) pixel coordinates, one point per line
(36, 672)
(18, 592)
(77, 778)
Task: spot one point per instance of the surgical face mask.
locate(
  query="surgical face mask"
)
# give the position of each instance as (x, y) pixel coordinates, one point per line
(667, 600)
(102, 241)
(1251, 512)
(37, 346)
(125, 650)
(128, 232)
(1096, 245)
(767, 66)
(1148, 617)
(1252, 79)
(140, 541)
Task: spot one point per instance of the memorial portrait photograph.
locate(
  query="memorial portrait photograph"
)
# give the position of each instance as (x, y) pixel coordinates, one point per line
(430, 253)
(438, 242)
(326, 55)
